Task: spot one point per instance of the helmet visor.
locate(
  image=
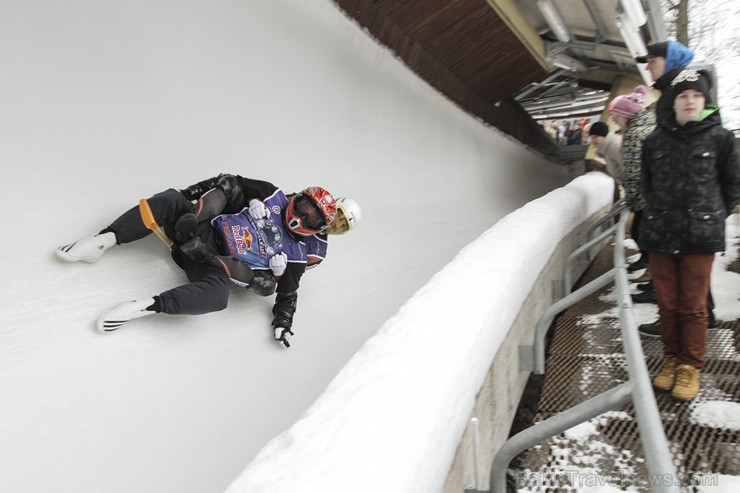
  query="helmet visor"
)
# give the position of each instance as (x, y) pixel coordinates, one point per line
(340, 224)
(309, 213)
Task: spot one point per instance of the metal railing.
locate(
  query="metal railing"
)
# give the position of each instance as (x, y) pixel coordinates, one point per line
(616, 210)
(637, 389)
(565, 286)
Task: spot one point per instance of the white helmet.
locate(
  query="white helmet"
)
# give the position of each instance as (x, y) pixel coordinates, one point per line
(348, 215)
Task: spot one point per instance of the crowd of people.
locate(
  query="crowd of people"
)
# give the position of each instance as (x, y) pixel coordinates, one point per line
(564, 132)
(678, 170)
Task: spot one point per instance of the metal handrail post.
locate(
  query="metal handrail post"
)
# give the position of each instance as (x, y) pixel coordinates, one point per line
(652, 434)
(611, 399)
(567, 282)
(546, 318)
(616, 210)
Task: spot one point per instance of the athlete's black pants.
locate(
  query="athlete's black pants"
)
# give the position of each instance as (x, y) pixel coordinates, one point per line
(209, 287)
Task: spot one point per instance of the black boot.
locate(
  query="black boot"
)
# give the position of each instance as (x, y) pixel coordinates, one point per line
(641, 263)
(647, 296)
(650, 330)
(712, 323)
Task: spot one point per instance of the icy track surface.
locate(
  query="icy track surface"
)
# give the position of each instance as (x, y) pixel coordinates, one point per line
(107, 102)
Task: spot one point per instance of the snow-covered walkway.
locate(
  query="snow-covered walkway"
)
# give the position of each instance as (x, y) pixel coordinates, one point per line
(586, 358)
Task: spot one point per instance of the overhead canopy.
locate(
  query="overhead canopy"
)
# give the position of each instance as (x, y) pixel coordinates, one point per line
(503, 59)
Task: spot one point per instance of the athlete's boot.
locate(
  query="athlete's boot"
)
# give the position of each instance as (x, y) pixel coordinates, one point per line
(122, 313)
(88, 249)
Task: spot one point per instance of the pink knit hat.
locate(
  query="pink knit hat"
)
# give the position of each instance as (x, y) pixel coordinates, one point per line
(629, 104)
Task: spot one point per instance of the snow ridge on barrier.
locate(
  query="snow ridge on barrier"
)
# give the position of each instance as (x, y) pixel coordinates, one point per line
(392, 418)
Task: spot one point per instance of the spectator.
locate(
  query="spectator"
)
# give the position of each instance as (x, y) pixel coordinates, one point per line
(586, 132)
(691, 180)
(574, 134)
(552, 130)
(562, 132)
(664, 61)
(609, 147)
(629, 113)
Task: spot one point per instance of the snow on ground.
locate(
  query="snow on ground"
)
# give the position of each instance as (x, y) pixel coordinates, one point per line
(724, 282)
(721, 483)
(720, 414)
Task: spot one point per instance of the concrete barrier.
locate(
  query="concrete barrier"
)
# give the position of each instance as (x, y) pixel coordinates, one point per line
(499, 397)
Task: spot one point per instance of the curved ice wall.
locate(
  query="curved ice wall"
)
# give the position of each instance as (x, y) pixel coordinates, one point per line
(104, 102)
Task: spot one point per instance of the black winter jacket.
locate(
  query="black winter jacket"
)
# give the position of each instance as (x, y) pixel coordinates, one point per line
(691, 180)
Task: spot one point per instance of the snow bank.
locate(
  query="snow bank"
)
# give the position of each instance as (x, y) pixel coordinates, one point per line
(391, 420)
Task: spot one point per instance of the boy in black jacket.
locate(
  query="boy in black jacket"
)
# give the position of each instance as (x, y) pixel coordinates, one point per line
(691, 180)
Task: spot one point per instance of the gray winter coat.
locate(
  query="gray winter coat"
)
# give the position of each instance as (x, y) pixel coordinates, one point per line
(691, 180)
(611, 150)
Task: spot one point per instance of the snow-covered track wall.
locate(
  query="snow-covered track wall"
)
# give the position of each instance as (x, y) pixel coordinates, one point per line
(393, 419)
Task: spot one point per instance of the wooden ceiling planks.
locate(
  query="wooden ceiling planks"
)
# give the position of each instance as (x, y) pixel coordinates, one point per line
(461, 47)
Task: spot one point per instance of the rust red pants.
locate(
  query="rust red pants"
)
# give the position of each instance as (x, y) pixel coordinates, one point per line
(681, 285)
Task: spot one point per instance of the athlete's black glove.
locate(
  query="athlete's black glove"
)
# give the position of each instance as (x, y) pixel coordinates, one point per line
(283, 311)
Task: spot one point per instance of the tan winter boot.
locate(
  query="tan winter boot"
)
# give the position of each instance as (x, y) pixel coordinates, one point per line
(687, 383)
(667, 376)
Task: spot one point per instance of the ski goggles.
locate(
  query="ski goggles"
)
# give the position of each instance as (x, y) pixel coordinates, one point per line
(308, 213)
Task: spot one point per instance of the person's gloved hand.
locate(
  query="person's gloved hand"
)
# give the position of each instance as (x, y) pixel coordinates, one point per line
(278, 264)
(283, 336)
(257, 209)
